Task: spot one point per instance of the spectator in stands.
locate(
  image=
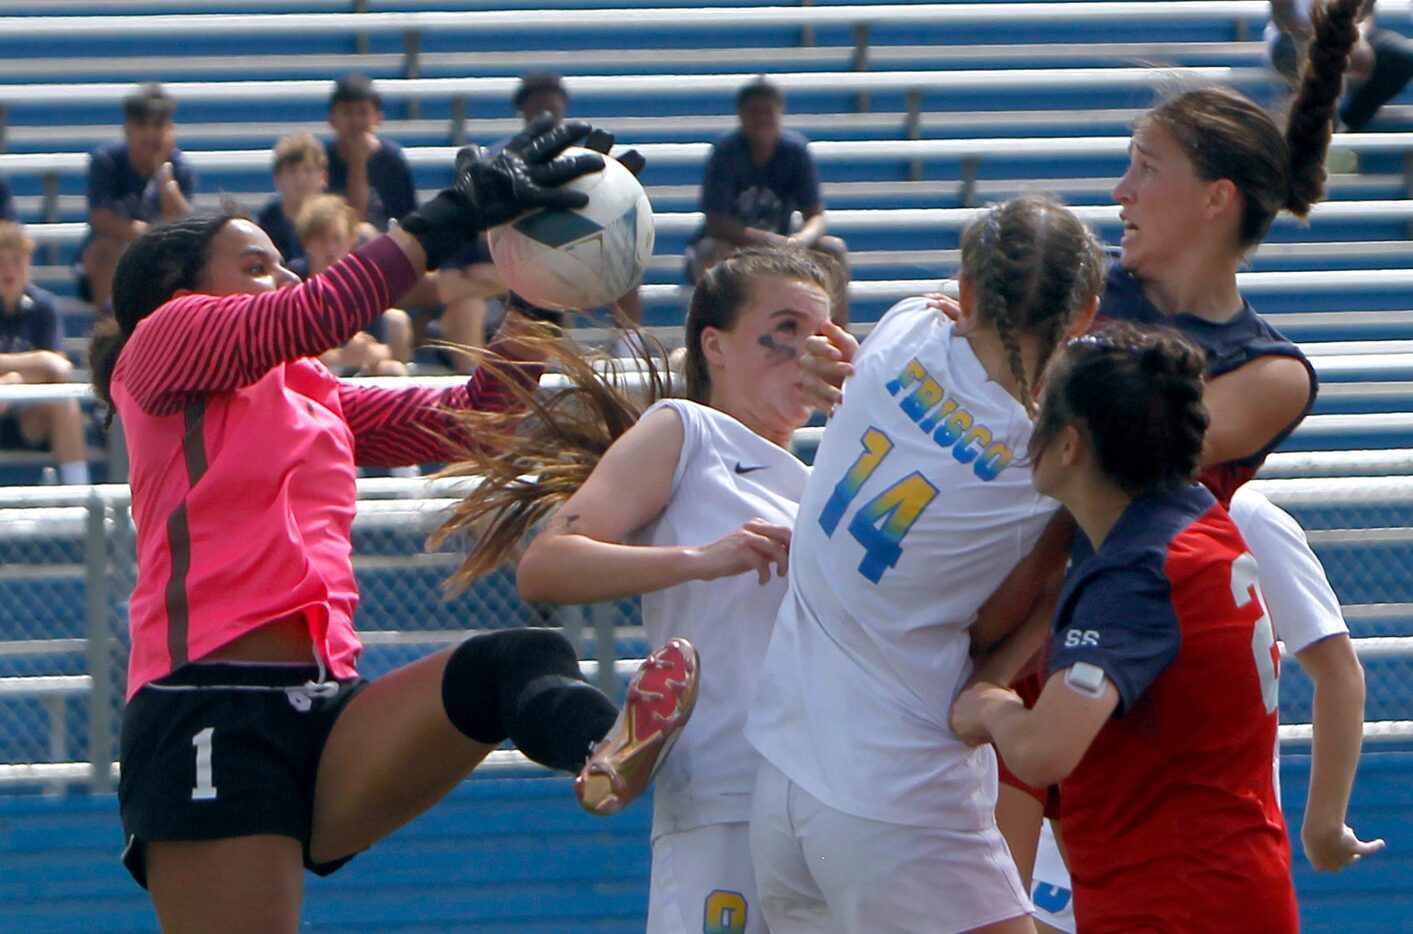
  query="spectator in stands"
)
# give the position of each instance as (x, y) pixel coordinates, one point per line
(301, 171)
(1380, 64)
(469, 280)
(368, 170)
(541, 92)
(31, 352)
(328, 227)
(758, 176)
(131, 184)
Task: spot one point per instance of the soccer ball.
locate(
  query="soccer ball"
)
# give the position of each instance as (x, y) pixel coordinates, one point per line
(584, 258)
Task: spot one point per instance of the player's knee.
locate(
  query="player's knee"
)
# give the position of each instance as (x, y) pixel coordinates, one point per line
(487, 668)
(50, 367)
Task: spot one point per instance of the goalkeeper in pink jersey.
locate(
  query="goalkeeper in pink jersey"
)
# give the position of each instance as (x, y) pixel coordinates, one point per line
(250, 746)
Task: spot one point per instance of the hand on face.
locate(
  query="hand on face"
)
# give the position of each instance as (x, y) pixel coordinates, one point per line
(826, 363)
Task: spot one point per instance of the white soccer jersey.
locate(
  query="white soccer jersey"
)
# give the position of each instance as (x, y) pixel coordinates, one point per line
(918, 507)
(725, 476)
(1303, 607)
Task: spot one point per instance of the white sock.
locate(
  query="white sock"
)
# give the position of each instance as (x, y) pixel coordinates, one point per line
(75, 472)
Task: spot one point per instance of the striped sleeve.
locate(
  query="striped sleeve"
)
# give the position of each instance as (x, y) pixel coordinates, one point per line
(399, 427)
(205, 343)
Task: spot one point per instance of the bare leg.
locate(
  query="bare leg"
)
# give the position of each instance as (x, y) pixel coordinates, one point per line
(630, 306)
(240, 885)
(399, 333)
(59, 423)
(1018, 815)
(99, 261)
(392, 755)
(465, 293)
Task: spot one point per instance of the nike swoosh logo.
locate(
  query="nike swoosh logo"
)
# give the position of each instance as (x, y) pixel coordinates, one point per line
(743, 469)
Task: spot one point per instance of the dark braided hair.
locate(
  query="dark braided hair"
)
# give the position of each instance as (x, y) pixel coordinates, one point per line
(1033, 267)
(1136, 395)
(1227, 136)
(166, 258)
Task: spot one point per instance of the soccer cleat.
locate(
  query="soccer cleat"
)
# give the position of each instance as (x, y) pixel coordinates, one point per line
(660, 699)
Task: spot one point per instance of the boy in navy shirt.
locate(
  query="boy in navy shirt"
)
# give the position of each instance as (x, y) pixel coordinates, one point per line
(369, 171)
(758, 176)
(301, 171)
(30, 352)
(131, 184)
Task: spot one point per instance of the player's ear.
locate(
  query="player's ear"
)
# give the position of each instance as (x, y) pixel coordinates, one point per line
(711, 346)
(1072, 448)
(1085, 319)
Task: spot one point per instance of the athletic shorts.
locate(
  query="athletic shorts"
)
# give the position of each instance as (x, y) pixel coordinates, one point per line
(702, 881)
(821, 871)
(225, 750)
(1029, 689)
(12, 436)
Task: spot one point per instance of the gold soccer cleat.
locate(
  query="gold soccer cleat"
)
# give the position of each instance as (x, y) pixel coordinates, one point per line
(660, 699)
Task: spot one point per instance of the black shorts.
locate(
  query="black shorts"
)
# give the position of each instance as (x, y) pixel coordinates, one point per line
(225, 750)
(12, 436)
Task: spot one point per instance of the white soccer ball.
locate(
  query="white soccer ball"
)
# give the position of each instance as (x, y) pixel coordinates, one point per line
(584, 258)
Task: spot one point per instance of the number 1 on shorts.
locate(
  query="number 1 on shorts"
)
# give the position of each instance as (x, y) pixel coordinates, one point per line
(205, 789)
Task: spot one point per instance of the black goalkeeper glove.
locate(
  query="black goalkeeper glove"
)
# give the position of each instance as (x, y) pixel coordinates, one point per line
(489, 190)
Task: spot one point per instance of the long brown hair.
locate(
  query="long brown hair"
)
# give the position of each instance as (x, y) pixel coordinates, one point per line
(1033, 266)
(529, 461)
(1227, 136)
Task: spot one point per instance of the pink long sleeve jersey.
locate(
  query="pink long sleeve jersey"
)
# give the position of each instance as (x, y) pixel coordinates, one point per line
(241, 452)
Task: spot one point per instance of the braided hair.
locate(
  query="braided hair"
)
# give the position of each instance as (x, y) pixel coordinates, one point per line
(1033, 266)
(1136, 395)
(168, 257)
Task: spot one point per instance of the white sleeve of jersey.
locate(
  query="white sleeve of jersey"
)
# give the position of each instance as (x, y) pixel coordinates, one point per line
(1303, 606)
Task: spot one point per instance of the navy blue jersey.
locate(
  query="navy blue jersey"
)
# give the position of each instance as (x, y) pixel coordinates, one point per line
(114, 185)
(391, 195)
(1171, 818)
(762, 197)
(1228, 346)
(273, 221)
(33, 325)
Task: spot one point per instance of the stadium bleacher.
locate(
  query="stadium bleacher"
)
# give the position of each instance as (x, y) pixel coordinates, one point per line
(921, 112)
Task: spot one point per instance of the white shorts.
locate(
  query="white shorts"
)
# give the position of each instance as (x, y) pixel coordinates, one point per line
(702, 883)
(1050, 885)
(821, 871)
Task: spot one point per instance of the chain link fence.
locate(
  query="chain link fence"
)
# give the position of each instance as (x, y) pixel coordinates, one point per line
(67, 568)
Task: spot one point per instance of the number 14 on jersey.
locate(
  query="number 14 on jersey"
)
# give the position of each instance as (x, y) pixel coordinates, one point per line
(880, 524)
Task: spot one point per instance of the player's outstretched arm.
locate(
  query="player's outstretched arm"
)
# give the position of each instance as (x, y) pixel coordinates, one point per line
(1338, 720)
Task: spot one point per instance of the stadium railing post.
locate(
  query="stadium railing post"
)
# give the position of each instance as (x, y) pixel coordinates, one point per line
(99, 644)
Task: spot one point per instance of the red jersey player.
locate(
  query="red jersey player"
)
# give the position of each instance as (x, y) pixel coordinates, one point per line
(1159, 714)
